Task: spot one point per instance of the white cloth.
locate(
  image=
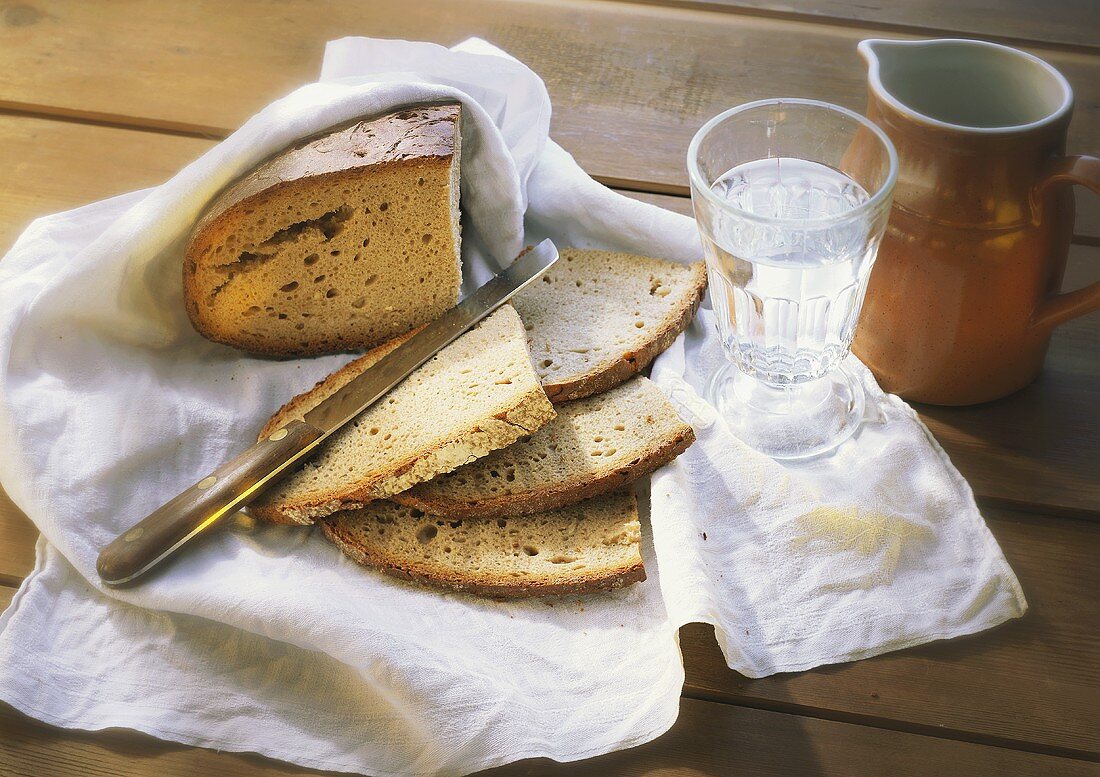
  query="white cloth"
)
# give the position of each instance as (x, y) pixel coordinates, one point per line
(876, 547)
(266, 639)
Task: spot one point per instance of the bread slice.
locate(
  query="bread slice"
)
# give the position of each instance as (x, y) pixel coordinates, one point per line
(593, 446)
(590, 546)
(598, 317)
(337, 244)
(476, 395)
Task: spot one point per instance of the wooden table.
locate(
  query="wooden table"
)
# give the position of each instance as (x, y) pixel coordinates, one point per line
(101, 98)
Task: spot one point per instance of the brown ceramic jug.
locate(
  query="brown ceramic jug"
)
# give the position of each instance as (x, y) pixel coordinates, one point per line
(964, 293)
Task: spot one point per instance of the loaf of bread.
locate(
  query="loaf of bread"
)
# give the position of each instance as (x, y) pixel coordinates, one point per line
(593, 446)
(337, 244)
(598, 317)
(478, 394)
(586, 547)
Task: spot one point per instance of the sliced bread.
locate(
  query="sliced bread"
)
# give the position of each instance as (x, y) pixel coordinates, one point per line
(476, 395)
(590, 546)
(598, 317)
(337, 244)
(593, 446)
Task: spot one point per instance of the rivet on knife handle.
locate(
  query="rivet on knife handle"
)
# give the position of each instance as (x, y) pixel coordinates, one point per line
(230, 486)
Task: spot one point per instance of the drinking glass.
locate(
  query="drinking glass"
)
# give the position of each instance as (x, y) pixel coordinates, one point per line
(791, 198)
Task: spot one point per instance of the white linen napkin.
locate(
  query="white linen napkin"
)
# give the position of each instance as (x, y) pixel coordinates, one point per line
(266, 639)
(876, 547)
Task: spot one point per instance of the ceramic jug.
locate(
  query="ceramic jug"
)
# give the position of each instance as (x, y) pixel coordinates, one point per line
(964, 294)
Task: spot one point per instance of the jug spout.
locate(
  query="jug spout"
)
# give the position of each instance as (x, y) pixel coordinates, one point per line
(872, 50)
(968, 86)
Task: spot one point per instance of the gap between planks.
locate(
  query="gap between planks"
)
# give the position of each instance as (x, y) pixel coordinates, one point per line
(708, 677)
(707, 739)
(7, 592)
(1030, 452)
(203, 132)
(630, 83)
(792, 14)
(113, 121)
(890, 724)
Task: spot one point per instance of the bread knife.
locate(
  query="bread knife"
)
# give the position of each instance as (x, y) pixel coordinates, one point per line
(240, 480)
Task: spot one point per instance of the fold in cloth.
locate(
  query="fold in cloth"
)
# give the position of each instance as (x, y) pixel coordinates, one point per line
(266, 639)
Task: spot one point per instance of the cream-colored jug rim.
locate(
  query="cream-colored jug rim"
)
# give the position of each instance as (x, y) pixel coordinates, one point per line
(866, 50)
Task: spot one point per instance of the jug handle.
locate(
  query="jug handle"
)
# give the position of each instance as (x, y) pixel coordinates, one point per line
(1060, 308)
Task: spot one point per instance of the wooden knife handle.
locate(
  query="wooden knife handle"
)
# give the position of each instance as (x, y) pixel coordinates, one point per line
(228, 488)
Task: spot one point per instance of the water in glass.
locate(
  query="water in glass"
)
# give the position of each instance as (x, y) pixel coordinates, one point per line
(788, 278)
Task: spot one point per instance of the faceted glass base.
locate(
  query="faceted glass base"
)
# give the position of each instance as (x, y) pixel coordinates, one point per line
(789, 422)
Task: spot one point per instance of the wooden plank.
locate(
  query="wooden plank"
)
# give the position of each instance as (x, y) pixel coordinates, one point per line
(1034, 682)
(707, 738)
(1039, 448)
(1073, 24)
(17, 538)
(6, 594)
(630, 84)
(55, 165)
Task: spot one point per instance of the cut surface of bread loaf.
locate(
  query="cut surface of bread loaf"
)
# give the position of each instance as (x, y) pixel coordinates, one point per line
(478, 394)
(598, 317)
(589, 546)
(593, 446)
(340, 243)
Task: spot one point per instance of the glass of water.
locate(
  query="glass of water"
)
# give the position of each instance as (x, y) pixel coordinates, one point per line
(791, 198)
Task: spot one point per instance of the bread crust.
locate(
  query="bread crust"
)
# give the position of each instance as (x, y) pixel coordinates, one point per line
(428, 131)
(554, 495)
(527, 416)
(563, 582)
(214, 233)
(291, 409)
(630, 363)
(429, 137)
(521, 418)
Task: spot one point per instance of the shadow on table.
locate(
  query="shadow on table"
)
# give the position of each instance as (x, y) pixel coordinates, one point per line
(33, 748)
(708, 739)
